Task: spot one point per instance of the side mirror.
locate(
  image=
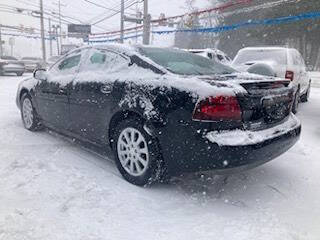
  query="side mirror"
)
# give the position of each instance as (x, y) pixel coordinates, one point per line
(40, 74)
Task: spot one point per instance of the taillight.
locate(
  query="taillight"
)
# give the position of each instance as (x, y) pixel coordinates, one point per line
(289, 75)
(217, 109)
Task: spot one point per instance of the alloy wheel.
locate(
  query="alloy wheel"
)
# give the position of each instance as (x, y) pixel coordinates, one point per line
(27, 113)
(133, 151)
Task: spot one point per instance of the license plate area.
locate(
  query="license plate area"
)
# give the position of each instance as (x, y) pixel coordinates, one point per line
(276, 108)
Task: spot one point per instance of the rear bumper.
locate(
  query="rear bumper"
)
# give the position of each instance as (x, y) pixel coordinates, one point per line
(237, 150)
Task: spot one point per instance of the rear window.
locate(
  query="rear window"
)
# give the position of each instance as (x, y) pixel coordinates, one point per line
(246, 56)
(184, 63)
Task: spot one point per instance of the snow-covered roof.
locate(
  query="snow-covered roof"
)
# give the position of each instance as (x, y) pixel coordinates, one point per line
(208, 50)
(266, 48)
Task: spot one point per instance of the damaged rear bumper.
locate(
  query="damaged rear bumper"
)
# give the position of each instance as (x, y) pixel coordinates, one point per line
(237, 150)
(246, 137)
(242, 150)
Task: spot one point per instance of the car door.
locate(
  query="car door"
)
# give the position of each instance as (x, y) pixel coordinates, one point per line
(295, 66)
(92, 93)
(304, 76)
(52, 94)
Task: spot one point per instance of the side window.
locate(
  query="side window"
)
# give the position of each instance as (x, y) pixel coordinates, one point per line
(103, 60)
(69, 62)
(98, 58)
(303, 63)
(296, 58)
(210, 55)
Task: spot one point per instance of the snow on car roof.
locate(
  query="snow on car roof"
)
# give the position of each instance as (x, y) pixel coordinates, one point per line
(134, 73)
(209, 50)
(266, 48)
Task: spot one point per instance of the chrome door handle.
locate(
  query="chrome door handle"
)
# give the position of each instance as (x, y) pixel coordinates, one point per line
(62, 91)
(106, 89)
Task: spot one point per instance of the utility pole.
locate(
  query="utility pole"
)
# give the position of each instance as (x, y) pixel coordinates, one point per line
(42, 32)
(146, 23)
(50, 36)
(55, 28)
(122, 22)
(60, 30)
(59, 4)
(1, 49)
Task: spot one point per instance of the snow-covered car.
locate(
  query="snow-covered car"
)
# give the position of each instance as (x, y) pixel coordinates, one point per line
(32, 63)
(279, 62)
(10, 64)
(214, 54)
(162, 111)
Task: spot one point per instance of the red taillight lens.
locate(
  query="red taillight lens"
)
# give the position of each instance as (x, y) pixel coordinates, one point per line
(289, 75)
(217, 109)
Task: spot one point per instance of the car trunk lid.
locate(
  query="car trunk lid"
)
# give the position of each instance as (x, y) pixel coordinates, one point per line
(266, 101)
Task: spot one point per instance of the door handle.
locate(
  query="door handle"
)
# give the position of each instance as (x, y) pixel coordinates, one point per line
(62, 92)
(106, 89)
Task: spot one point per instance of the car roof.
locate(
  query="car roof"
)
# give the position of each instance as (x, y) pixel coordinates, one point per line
(266, 48)
(36, 58)
(8, 58)
(208, 50)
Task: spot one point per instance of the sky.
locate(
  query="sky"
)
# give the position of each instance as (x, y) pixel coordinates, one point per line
(78, 11)
(87, 12)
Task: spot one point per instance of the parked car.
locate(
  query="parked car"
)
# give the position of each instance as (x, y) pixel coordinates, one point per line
(10, 64)
(214, 54)
(162, 111)
(52, 60)
(32, 63)
(279, 62)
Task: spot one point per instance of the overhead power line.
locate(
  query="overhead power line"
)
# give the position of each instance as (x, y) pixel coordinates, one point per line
(117, 12)
(218, 8)
(101, 6)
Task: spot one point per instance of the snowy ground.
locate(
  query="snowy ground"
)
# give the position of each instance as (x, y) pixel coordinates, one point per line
(315, 76)
(51, 188)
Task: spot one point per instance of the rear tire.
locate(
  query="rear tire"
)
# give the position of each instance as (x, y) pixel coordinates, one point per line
(19, 74)
(29, 116)
(137, 154)
(305, 97)
(296, 102)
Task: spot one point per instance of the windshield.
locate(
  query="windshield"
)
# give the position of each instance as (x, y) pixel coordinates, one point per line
(184, 63)
(247, 56)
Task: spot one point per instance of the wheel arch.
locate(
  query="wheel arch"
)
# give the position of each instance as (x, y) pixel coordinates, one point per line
(19, 96)
(22, 92)
(119, 117)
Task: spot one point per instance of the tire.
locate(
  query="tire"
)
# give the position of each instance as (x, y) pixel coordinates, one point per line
(305, 97)
(29, 116)
(19, 74)
(139, 158)
(296, 102)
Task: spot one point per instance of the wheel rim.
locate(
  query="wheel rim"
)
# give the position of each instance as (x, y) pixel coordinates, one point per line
(133, 151)
(27, 113)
